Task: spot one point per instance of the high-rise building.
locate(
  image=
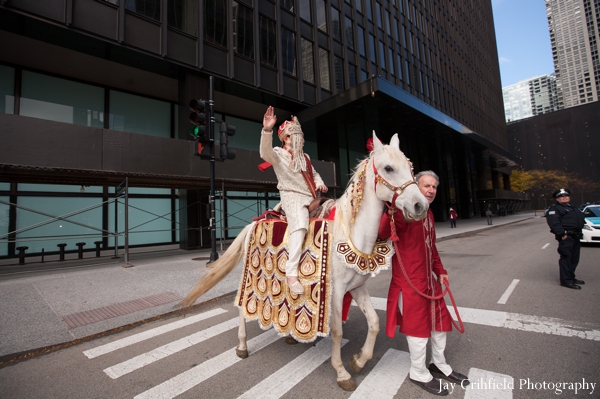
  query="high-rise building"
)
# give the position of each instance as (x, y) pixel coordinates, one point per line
(574, 36)
(530, 97)
(95, 93)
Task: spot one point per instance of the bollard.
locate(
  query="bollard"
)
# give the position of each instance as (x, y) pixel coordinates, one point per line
(62, 251)
(80, 249)
(98, 243)
(42, 255)
(22, 254)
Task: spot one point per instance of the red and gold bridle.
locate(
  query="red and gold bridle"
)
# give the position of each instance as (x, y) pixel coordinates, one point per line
(398, 190)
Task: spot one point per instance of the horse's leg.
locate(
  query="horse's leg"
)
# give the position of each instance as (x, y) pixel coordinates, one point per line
(242, 348)
(344, 379)
(361, 296)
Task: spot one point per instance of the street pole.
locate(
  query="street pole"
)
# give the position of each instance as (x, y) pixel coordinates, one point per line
(211, 134)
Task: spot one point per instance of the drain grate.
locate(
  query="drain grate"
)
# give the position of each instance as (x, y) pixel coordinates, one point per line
(118, 309)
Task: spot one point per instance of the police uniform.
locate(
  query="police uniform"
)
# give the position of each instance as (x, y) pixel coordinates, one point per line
(565, 222)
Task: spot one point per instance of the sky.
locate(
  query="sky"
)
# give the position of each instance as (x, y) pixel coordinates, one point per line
(523, 40)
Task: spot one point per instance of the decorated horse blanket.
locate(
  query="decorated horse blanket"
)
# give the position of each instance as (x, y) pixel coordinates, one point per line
(263, 292)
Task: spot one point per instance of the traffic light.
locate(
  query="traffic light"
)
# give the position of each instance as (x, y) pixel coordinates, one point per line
(202, 148)
(226, 132)
(198, 118)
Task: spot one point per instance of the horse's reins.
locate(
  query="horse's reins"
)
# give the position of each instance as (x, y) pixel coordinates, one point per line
(394, 237)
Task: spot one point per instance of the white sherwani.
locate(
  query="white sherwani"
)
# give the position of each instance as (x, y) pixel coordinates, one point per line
(294, 192)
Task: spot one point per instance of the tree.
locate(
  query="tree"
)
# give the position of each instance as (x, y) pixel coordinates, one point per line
(544, 182)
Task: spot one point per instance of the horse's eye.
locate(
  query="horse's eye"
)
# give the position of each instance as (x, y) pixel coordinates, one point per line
(388, 169)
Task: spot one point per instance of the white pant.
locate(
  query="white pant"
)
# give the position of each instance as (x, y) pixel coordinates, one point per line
(418, 353)
(295, 250)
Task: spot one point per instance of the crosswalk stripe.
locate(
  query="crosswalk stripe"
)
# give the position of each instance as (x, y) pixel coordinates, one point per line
(284, 379)
(134, 339)
(194, 376)
(489, 385)
(515, 321)
(387, 376)
(166, 350)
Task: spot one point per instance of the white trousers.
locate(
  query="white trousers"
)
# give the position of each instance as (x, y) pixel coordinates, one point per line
(295, 250)
(418, 354)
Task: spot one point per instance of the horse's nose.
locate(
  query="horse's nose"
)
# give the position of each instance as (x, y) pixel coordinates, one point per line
(419, 209)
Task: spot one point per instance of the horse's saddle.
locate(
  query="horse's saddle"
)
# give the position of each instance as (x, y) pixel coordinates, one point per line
(319, 208)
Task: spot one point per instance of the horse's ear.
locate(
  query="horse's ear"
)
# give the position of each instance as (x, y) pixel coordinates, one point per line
(395, 141)
(377, 144)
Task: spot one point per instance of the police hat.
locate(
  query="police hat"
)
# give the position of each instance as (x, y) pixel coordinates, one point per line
(562, 192)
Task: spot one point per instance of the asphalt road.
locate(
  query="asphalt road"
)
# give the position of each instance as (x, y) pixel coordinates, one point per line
(543, 341)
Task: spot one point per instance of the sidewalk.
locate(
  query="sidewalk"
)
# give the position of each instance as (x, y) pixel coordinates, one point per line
(56, 303)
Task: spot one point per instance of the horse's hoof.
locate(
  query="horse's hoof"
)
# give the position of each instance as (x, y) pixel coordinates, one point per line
(241, 353)
(347, 385)
(354, 367)
(290, 340)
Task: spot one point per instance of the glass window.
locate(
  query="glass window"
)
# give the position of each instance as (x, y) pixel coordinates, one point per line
(288, 50)
(59, 188)
(149, 221)
(61, 100)
(4, 212)
(215, 22)
(352, 75)
(349, 33)
(183, 15)
(61, 231)
(7, 89)
(369, 10)
(391, 58)
(361, 41)
(388, 22)
(382, 55)
(407, 70)
(308, 70)
(147, 8)
(364, 75)
(338, 65)
(135, 114)
(268, 45)
(372, 48)
(305, 11)
(321, 16)
(359, 6)
(288, 5)
(247, 140)
(324, 69)
(378, 15)
(243, 30)
(336, 24)
(399, 64)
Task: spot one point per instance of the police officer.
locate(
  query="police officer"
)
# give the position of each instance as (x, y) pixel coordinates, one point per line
(565, 223)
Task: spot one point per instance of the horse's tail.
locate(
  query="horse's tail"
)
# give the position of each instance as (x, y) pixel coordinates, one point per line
(220, 268)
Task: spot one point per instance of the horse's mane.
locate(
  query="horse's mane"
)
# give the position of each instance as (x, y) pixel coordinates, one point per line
(344, 202)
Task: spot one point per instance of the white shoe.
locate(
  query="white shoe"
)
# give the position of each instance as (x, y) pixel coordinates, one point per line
(297, 288)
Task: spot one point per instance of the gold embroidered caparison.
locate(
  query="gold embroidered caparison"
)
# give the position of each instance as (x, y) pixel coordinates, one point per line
(362, 262)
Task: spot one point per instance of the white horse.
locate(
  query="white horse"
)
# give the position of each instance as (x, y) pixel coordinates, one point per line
(385, 176)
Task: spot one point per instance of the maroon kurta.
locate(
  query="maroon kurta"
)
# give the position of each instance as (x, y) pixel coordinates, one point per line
(422, 264)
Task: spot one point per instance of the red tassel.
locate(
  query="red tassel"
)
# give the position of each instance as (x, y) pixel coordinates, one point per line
(346, 305)
(264, 166)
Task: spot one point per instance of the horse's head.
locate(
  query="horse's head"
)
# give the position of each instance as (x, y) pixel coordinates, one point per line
(395, 181)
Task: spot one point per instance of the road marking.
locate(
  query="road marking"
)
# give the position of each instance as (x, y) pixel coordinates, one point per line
(387, 376)
(134, 339)
(489, 385)
(508, 291)
(516, 321)
(546, 246)
(284, 379)
(147, 358)
(194, 376)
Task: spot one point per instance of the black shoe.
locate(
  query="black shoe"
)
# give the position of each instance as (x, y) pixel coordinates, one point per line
(434, 386)
(453, 377)
(573, 286)
(580, 282)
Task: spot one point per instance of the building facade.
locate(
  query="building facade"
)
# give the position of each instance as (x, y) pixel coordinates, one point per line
(530, 97)
(574, 38)
(94, 95)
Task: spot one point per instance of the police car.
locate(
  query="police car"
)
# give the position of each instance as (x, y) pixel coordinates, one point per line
(591, 229)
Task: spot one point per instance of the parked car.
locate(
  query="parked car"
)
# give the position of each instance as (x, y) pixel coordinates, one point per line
(591, 229)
